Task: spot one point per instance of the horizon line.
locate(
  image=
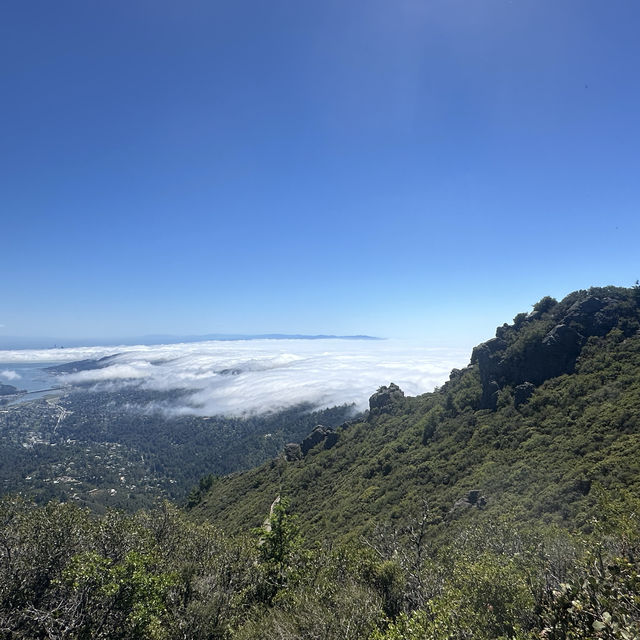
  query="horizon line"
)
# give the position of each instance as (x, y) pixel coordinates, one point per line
(8, 343)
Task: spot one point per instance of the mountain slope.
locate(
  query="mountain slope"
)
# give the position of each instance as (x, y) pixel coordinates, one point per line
(546, 410)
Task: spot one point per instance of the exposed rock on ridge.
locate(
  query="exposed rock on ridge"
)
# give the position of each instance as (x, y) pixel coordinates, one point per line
(472, 499)
(542, 345)
(292, 452)
(385, 397)
(318, 435)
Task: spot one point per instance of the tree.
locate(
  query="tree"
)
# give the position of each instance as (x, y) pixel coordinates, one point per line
(545, 304)
(278, 544)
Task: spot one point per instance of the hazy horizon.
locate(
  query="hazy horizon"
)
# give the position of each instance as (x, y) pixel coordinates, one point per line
(45, 342)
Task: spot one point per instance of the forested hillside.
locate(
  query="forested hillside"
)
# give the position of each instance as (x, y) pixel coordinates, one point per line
(545, 411)
(503, 505)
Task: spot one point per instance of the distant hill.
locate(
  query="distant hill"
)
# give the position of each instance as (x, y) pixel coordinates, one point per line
(7, 390)
(20, 342)
(545, 411)
(81, 365)
(160, 339)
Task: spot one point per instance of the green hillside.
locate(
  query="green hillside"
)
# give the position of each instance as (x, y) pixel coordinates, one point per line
(503, 506)
(547, 410)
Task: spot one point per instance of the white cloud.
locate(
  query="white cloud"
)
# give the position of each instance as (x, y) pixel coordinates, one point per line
(253, 376)
(8, 374)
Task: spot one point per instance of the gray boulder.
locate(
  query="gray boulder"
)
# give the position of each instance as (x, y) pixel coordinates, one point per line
(473, 499)
(292, 452)
(385, 397)
(318, 435)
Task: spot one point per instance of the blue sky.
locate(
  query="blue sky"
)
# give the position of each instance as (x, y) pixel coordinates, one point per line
(424, 169)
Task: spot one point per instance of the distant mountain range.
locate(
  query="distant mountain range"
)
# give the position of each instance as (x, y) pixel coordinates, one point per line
(19, 342)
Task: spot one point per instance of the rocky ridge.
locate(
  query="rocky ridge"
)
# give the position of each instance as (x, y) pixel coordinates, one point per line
(545, 343)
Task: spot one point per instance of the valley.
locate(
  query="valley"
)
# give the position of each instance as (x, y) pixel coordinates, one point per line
(119, 449)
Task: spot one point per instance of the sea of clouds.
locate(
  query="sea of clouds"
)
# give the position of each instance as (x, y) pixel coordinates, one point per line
(243, 377)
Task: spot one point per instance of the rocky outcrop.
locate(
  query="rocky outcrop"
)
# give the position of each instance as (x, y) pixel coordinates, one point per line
(488, 357)
(539, 347)
(474, 498)
(385, 397)
(292, 452)
(318, 435)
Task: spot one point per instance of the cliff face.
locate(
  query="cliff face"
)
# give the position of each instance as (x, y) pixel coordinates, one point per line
(547, 342)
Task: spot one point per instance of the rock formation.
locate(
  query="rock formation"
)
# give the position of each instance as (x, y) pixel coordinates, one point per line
(538, 347)
(318, 435)
(385, 397)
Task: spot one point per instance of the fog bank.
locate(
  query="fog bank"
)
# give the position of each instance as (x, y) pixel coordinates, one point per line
(255, 376)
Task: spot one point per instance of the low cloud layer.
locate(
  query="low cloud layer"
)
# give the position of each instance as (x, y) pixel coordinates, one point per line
(255, 376)
(8, 374)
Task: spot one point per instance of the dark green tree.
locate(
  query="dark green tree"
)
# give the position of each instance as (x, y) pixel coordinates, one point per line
(279, 544)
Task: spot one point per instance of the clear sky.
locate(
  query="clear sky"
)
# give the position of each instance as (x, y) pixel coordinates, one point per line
(408, 168)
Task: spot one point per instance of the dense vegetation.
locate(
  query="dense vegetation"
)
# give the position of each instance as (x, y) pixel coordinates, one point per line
(502, 506)
(66, 573)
